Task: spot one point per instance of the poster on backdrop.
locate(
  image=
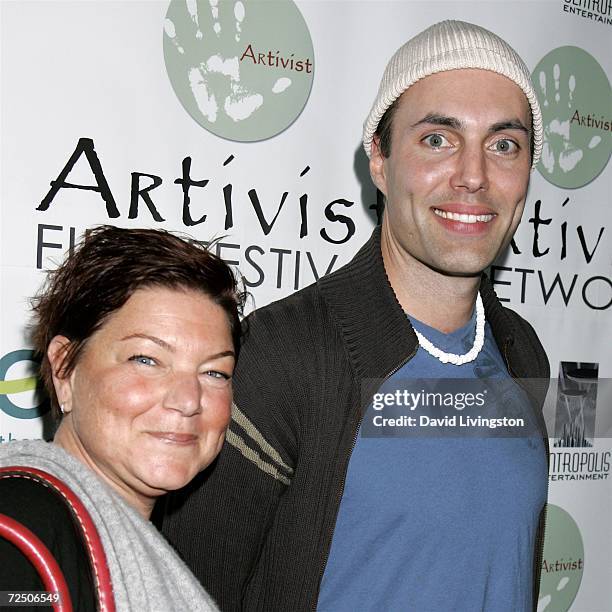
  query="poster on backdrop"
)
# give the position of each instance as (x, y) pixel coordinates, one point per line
(241, 121)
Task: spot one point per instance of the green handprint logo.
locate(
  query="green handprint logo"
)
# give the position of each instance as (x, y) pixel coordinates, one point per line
(575, 97)
(234, 64)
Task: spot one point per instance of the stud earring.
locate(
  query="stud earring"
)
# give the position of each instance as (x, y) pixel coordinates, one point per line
(62, 409)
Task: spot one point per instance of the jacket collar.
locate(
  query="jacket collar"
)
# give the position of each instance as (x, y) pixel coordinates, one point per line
(376, 331)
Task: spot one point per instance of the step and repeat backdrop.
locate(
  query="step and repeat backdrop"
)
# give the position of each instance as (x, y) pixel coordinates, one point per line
(240, 121)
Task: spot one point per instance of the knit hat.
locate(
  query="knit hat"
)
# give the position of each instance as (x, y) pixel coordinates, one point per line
(451, 45)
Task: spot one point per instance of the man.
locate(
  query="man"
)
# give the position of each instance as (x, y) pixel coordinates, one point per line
(301, 511)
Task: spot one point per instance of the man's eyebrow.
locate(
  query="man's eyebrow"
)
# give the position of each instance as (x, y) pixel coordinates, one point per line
(456, 124)
(510, 124)
(435, 119)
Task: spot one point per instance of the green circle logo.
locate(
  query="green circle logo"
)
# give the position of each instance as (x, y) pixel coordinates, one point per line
(242, 69)
(575, 96)
(562, 562)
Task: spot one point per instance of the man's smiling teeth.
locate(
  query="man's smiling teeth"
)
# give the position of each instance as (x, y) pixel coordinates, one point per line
(463, 218)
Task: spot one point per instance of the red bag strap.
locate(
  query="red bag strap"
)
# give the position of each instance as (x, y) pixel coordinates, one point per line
(91, 537)
(32, 547)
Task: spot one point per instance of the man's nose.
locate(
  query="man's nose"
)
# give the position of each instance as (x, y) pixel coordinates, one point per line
(470, 173)
(184, 394)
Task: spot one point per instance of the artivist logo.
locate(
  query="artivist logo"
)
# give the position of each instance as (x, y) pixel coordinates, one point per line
(576, 99)
(595, 10)
(562, 561)
(576, 404)
(242, 70)
(17, 363)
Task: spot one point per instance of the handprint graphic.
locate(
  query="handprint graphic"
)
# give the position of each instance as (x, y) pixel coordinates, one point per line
(558, 147)
(575, 98)
(216, 52)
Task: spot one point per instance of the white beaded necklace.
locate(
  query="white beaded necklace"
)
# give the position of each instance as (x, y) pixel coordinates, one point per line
(471, 354)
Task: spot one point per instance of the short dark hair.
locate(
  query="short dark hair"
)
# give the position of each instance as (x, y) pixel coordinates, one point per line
(384, 129)
(103, 272)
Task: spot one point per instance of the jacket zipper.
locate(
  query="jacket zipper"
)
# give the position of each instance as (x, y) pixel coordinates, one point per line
(540, 539)
(343, 483)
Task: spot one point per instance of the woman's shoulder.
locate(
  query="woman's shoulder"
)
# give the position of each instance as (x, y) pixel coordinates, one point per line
(31, 500)
(42, 510)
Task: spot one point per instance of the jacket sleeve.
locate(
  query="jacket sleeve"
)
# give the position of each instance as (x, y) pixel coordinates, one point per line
(219, 522)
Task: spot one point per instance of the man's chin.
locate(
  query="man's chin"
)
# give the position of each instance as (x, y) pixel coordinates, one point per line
(460, 269)
(461, 274)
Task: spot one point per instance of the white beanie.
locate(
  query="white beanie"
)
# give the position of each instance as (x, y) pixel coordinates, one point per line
(451, 45)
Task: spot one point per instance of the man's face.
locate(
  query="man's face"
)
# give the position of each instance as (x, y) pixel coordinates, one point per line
(457, 176)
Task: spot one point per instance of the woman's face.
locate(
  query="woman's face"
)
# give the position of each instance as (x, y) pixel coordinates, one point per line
(149, 400)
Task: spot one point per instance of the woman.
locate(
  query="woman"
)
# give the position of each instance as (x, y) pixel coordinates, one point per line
(138, 332)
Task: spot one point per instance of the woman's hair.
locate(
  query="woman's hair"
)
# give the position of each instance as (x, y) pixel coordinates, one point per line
(103, 272)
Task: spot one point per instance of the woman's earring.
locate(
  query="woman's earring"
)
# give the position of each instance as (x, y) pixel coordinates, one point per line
(62, 409)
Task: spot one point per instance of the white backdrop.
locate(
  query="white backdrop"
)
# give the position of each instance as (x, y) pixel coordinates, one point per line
(95, 70)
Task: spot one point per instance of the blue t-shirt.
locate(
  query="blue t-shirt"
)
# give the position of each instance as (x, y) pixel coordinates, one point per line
(440, 523)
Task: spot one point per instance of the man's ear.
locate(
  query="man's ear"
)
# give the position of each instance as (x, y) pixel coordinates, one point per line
(56, 353)
(377, 166)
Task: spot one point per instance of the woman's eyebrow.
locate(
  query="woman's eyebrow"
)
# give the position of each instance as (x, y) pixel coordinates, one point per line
(169, 347)
(154, 339)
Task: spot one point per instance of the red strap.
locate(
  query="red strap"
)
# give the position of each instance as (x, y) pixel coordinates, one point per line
(40, 557)
(91, 537)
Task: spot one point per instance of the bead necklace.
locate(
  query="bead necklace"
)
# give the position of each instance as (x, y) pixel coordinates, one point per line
(471, 354)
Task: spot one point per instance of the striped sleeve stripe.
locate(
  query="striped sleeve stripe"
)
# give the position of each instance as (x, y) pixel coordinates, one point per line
(241, 419)
(238, 443)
